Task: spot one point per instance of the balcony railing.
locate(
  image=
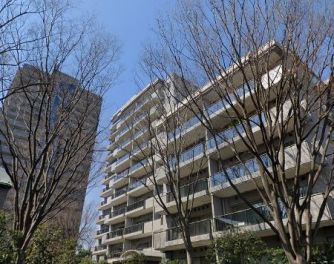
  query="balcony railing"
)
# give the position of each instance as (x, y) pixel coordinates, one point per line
(123, 158)
(138, 165)
(108, 176)
(197, 228)
(100, 232)
(141, 147)
(100, 247)
(115, 254)
(135, 205)
(105, 189)
(139, 133)
(122, 174)
(122, 131)
(115, 233)
(234, 131)
(117, 212)
(190, 189)
(134, 228)
(124, 143)
(239, 170)
(240, 91)
(102, 216)
(244, 218)
(103, 202)
(182, 128)
(135, 184)
(189, 154)
(121, 191)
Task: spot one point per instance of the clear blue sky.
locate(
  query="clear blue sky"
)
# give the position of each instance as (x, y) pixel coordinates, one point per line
(131, 21)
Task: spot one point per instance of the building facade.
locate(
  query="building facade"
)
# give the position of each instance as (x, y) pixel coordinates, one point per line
(132, 220)
(35, 109)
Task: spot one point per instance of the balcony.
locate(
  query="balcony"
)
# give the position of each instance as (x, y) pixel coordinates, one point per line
(240, 170)
(100, 250)
(135, 205)
(197, 191)
(139, 168)
(244, 174)
(248, 219)
(106, 191)
(105, 204)
(115, 236)
(116, 216)
(125, 144)
(119, 196)
(190, 157)
(142, 149)
(140, 207)
(121, 178)
(230, 133)
(243, 218)
(171, 239)
(123, 162)
(184, 128)
(101, 219)
(243, 92)
(139, 134)
(100, 233)
(138, 230)
(115, 254)
(189, 189)
(141, 186)
(122, 132)
(108, 178)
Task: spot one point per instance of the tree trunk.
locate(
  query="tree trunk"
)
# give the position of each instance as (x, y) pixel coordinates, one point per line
(189, 257)
(20, 258)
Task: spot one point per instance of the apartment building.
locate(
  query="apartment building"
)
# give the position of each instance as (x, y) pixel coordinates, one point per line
(131, 220)
(25, 113)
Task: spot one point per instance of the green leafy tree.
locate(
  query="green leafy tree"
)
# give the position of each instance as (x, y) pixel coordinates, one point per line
(6, 246)
(136, 259)
(174, 261)
(237, 248)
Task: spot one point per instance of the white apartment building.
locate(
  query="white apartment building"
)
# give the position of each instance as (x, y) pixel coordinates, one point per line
(131, 221)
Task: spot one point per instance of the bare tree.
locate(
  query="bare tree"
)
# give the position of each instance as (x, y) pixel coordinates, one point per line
(49, 128)
(175, 167)
(13, 38)
(266, 104)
